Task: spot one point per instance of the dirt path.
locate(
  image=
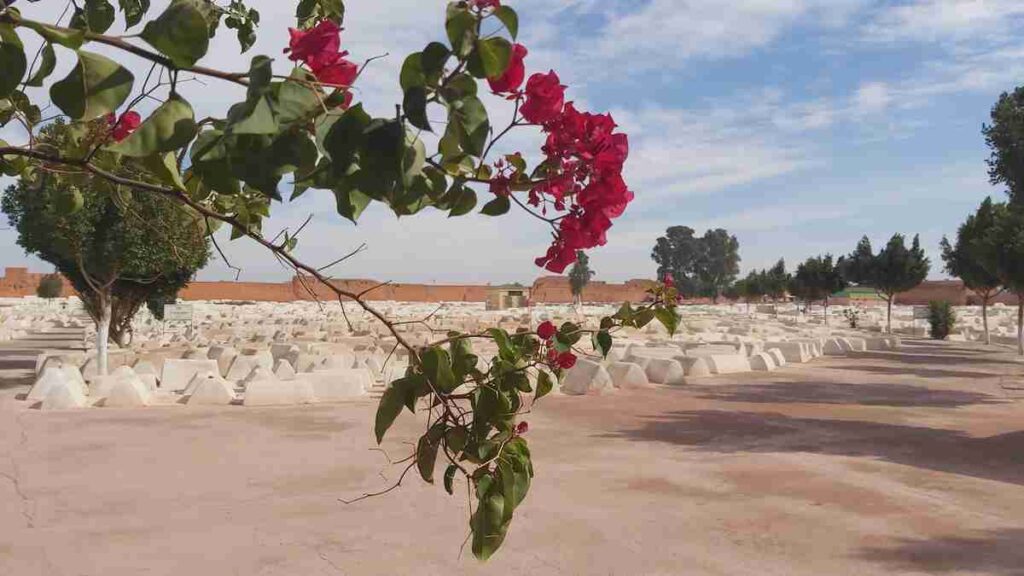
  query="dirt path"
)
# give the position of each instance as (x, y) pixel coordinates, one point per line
(885, 463)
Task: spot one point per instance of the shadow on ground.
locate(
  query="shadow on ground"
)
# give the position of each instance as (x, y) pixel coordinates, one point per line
(998, 457)
(897, 395)
(998, 552)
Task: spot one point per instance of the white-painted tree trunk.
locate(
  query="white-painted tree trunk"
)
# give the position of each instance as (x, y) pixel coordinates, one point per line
(888, 320)
(1020, 324)
(103, 338)
(984, 321)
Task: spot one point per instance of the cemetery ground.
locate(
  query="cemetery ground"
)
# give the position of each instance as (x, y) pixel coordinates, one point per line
(907, 461)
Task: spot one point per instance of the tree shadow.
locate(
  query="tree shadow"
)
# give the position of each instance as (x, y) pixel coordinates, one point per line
(897, 395)
(947, 357)
(997, 552)
(999, 457)
(914, 371)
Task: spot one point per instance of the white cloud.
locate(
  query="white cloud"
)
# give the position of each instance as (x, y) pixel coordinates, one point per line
(872, 98)
(945, 20)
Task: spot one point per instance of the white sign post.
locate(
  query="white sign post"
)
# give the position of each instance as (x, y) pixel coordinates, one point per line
(178, 313)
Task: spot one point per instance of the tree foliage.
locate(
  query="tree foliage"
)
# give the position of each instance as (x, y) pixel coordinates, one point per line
(705, 265)
(580, 275)
(106, 240)
(1005, 138)
(894, 269)
(972, 257)
(817, 279)
(50, 286)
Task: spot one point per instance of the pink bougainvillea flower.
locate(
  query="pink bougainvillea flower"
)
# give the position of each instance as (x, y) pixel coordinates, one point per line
(124, 126)
(566, 360)
(545, 98)
(514, 75)
(482, 4)
(546, 331)
(522, 428)
(324, 38)
(669, 281)
(334, 69)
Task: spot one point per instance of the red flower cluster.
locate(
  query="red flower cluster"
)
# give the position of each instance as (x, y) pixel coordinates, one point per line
(512, 79)
(121, 128)
(522, 428)
(320, 49)
(584, 160)
(483, 4)
(585, 157)
(564, 360)
(669, 281)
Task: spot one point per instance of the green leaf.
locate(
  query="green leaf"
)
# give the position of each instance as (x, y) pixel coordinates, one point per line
(351, 202)
(164, 168)
(412, 72)
(669, 318)
(256, 115)
(426, 451)
(48, 61)
(491, 58)
(68, 200)
(345, 137)
(472, 124)
(435, 56)
(497, 207)
(133, 11)
(603, 343)
(296, 101)
(509, 18)
(544, 385)
(486, 523)
(99, 15)
(171, 127)
(437, 367)
(96, 86)
(463, 201)
(643, 318)
(449, 478)
(12, 60)
(181, 32)
(461, 29)
(390, 407)
(68, 37)
(415, 104)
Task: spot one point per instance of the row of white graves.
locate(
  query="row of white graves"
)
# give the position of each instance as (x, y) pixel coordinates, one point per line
(259, 354)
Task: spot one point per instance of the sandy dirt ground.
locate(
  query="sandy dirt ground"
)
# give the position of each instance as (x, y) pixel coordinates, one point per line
(881, 463)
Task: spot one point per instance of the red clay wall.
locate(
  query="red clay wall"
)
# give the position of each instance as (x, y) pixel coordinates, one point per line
(18, 282)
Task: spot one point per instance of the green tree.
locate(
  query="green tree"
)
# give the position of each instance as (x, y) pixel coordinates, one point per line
(776, 281)
(719, 262)
(116, 248)
(705, 265)
(50, 286)
(1006, 238)
(1005, 137)
(579, 276)
(972, 258)
(893, 270)
(817, 279)
(677, 253)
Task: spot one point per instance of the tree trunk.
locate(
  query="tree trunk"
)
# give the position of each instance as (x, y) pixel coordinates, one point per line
(826, 310)
(1020, 324)
(103, 336)
(984, 320)
(888, 319)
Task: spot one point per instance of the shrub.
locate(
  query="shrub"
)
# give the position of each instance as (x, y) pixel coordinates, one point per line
(51, 286)
(942, 319)
(852, 317)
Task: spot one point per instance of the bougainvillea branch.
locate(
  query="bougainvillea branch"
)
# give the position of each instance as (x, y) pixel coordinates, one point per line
(304, 129)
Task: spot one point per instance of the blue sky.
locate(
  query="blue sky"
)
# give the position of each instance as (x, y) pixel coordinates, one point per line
(798, 125)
